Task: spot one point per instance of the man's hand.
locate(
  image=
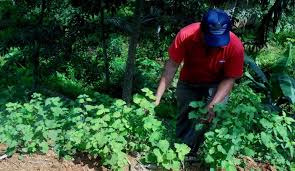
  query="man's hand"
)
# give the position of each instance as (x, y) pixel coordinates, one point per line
(157, 102)
(210, 116)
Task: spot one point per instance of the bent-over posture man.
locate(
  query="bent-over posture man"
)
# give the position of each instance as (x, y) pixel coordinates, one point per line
(212, 58)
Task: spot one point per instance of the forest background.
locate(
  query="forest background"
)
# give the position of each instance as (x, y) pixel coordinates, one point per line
(65, 65)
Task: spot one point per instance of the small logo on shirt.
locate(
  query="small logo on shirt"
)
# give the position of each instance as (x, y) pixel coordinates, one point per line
(221, 61)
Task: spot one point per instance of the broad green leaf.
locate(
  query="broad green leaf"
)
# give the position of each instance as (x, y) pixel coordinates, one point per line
(77, 110)
(250, 137)
(158, 154)
(287, 85)
(89, 107)
(137, 98)
(44, 147)
(289, 120)
(88, 99)
(209, 159)
(106, 118)
(53, 134)
(265, 123)
(119, 103)
(175, 165)
(50, 124)
(197, 104)
(252, 64)
(221, 149)
(170, 155)
(56, 111)
(193, 115)
(155, 137)
(116, 114)
(81, 101)
(261, 85)
(291, 148)
(266, 139)
(149, 93)
(182, 150)
(249, 152)
(163, 145)
(282, 132)
(167, 165)
(212, 150)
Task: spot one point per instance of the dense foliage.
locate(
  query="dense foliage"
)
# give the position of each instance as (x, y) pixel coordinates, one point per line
(110, 132)
(244, 127)
(77, 54)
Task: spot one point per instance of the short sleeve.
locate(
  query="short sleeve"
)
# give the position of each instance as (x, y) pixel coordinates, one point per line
(235, 63)
(176, 50)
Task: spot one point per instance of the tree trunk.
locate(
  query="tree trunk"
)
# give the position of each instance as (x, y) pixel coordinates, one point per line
(36, 65)
(270, 20)
(130, 64)
(104, 47)
(36, 52)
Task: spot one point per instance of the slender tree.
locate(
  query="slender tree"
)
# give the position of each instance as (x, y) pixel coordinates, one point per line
(104, 45)
(133, 41)
(36, 51)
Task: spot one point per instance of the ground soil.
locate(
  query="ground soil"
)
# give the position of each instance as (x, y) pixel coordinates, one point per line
(82, 162)
(48, 162)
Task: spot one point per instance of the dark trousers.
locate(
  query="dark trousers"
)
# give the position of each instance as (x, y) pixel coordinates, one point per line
(185, 128)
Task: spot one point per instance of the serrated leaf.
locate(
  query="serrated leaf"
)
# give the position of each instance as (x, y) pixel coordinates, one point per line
(119, 103)
(56, 111)
(166, 165)
(155, 137)
(116, 114)
(170, 155)
(163, 145)
(175, 165)
(44, 147)
(158, 154)
(249, 152)
(137, 98)
(182, 150)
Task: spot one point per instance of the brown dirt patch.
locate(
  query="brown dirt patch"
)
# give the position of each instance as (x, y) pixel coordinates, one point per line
(48, 162)
(2, 149)
(252, 165)
(82, 162)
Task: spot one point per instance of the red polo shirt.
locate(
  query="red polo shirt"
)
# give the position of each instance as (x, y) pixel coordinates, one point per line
(202, 64)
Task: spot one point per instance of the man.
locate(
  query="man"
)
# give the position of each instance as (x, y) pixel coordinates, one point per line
(212, 58)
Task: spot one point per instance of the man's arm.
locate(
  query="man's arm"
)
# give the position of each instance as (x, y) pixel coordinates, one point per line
(166, 78)
(223, 89)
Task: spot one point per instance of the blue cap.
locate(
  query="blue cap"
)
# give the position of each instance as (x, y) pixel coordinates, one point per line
(216, 27)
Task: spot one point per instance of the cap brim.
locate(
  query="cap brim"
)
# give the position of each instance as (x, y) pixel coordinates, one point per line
(217, 40)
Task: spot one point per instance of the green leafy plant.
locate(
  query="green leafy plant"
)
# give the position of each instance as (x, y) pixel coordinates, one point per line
(110, 132)
(244, 128)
